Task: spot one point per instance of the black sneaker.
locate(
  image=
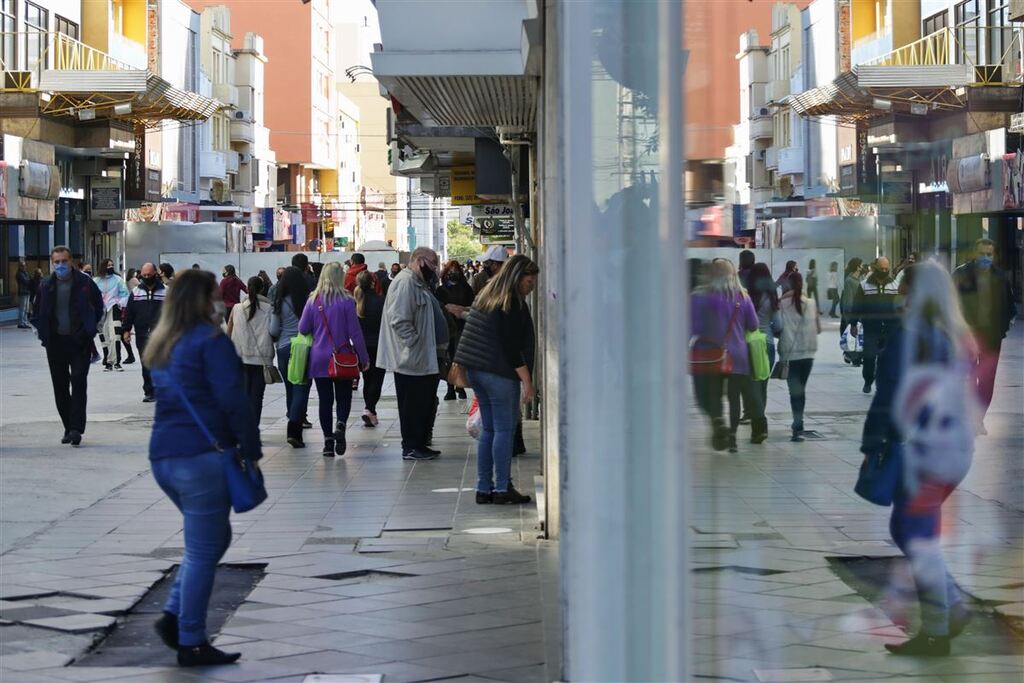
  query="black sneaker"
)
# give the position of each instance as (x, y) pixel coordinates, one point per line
(340, 446)
(798, 436)
(167, 628)
(867, 388)
(450, 395)
(107, 367)
(205, 655)
(67, 437)
(118, 368)
(461, 393)
(130, 361)
(149, 399)
(432, 451)
(921, 645)
(484, 498)
(328, 451)
(75, 438)
(306, 424)
(418, 455)
(510, 497)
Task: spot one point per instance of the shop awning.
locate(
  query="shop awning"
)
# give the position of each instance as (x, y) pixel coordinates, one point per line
(140, 97)
(872, 91)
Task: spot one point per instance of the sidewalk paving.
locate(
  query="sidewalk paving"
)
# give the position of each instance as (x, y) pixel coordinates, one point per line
(378, 566)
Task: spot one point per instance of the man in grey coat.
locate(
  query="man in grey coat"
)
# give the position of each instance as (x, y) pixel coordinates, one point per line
(409, 330)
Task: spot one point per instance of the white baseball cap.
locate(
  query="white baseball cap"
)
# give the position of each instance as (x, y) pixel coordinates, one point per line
(497, 253)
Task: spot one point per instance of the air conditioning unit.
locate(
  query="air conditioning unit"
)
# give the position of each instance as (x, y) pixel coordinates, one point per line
(760, 154)
(763, 111)
(244, 157)
(239, 115)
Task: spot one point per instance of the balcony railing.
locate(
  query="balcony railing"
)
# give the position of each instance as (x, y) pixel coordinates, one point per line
(994, 52)
(38, 51)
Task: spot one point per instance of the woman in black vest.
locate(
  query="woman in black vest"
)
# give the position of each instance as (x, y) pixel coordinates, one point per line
(497, 348)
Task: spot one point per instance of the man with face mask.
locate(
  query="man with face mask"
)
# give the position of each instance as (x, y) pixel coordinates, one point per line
(875, 308)
(411, 331)
(66, 315)
(988, 306)
(142, 315)
(494, 259)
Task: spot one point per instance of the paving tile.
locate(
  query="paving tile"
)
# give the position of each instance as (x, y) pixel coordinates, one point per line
(27, 661)
(75, 623)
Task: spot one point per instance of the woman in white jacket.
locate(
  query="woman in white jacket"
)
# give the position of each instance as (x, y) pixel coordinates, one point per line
(797, 346)
(249, 329)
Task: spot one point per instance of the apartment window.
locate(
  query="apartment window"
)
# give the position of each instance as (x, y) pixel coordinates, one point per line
(37, 22)
(117, 16)
(935, 22)
(1000, 36)
(968, 32)
(65, 26)
(8, 39)
(781, 130)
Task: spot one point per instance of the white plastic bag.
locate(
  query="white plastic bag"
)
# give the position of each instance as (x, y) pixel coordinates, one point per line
(935, 411)
(474, 423)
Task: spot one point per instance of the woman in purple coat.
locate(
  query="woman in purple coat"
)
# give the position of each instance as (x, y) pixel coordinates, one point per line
(721, 311)
(330, 316)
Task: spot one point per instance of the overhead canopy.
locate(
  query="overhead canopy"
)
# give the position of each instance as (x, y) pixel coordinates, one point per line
(871, 91)
(150, 99)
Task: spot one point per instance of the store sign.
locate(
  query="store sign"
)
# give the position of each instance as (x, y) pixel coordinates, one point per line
(105, 199)
(1013, 180)
(867, 171)
(463, 187)
(496, 223)
(444, 186)
(135, 174)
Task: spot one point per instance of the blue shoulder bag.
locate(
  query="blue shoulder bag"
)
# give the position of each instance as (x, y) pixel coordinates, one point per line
(880, 475)
(245, 480)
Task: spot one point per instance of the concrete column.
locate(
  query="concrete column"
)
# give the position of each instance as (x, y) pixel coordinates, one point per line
(623, 359)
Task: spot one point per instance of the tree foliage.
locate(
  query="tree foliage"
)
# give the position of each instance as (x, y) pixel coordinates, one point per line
(462, 243)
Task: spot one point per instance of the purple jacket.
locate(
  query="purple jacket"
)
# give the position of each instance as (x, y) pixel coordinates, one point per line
(709, 315)
(341, 315)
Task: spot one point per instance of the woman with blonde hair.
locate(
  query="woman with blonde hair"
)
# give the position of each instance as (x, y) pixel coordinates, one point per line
(497, 349)
(922, 415)
(198, 380)
(330, 316)
(721, 314)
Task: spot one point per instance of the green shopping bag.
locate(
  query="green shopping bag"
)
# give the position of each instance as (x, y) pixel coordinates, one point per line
(757, 342)
(298, 361)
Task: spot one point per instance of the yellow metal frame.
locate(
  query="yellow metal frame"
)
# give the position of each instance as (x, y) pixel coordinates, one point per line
(943, 48)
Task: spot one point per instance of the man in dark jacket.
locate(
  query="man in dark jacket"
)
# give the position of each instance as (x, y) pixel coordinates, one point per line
(987, 301)
(383, 279)
(301, 261)
(66, 316)
(142, 315)
(24, 294)
(231, 288)
(875, 309)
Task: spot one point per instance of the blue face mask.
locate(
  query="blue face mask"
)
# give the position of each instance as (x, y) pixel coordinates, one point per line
(62, 270)
(984, 262)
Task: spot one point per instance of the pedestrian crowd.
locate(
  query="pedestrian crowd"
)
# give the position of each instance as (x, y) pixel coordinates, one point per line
(927, 343)
(208, 349)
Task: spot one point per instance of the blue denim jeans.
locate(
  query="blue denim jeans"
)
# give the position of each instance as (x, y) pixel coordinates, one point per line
(499, 413)
(296, 396)
(198, 487)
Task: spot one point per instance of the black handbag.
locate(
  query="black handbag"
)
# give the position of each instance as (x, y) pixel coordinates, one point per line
(880, 474)
(244, 478)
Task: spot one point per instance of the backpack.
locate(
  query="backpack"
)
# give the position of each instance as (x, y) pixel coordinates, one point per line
(935, 411)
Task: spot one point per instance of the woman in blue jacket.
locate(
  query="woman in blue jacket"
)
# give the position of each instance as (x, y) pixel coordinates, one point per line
(916, 417)
(195, 363)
